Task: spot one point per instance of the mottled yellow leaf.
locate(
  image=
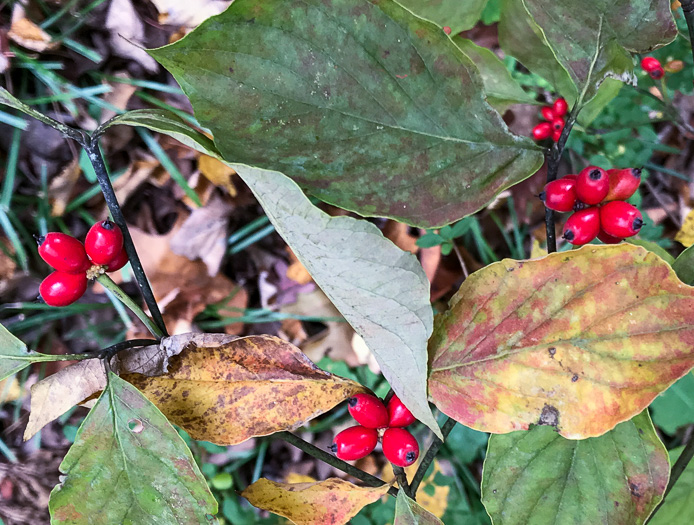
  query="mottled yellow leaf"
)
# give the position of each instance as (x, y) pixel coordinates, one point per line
(333, 501)
(432, 497)
(686, 234)
(249, 387)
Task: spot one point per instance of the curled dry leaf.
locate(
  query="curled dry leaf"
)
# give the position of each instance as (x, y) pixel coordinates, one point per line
(581, 341)
(333, 501)
(249, 387)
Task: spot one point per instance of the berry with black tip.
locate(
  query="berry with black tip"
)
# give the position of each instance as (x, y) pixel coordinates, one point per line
(400, 447)
(592, 185)
(560, 107)
(104, 242)
(354, 443)
(582, 227)
(62, 288)
(620, 219)
(368, 411)
(558, 124)
(542, 131)
(623, 183)
(559, 195)
(653, 67)
(398, 414)
(63, 252)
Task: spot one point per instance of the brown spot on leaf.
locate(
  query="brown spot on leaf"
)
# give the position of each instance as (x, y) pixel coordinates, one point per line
(574, 378)
(549, 416)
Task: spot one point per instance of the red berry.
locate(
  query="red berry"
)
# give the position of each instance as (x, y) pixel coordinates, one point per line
(582, 227)
(368, 411)
(447, 30)
(620, 219)
(657, 74)
(354, 443)
(558, 124)
(547, 113)
(120, 260)
(104, 242)
(623, 183)
(560, 107)
(570, 176)
(653, 67)
(63, 252)
(62, 289)
(398, 414)
(592, 185)
(542, 131)
(556, 135)
(560, 195)
(400, 447)
(607, 238)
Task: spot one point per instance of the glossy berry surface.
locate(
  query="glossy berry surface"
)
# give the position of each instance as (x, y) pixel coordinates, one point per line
(556, 135)
(398, 414)
(63, 252)
(542, 131)
(582, 227)
(653, 67)
(104, 242)
(558, 124)
(620, 219)
(560, 107)
(547, 113)
(354, 443)
(120, 260)
(368, 411)
(560, 195)
(62, 288)
(607, 238)
(623, 183)
(592, 185)
(400, 447)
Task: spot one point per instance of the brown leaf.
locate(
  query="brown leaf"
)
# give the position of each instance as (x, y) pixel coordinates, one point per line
(249, 387)
(218, 173)
(127, 34)
(399, 234)
(186, 13)
(296, 271)
(333, 501)
(27, 34)
(61, 187)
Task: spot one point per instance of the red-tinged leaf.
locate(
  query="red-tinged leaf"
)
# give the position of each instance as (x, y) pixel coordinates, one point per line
(409, 512)
(581, 341)
(249, 387)
(332, 501)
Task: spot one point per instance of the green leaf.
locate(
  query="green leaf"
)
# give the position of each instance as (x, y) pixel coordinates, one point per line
(380, 290)
(679, 503)
(539, 477)
(502, 91)
(14, 355)
(684, 266)
(361, 103)
(428, 240)
(466, 444)
(459, 15)
(592, 42)
(675, 407)
(129, 465)
(607, 91)
(409, 512)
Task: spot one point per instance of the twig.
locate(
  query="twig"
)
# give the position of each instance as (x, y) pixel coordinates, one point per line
(430, 455)
(401, 476)
(318, 453)
(92, 149)
(460, 258)
(112, 287)
(110, 351)
(688, 10)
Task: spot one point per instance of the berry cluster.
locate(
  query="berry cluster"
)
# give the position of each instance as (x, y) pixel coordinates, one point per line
(554, 116)
(652, 66)
(102, 251)
(597, 197)
(376, 421)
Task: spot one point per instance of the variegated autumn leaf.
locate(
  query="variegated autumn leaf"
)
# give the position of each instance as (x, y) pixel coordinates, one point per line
(580, 340)
(332, 501)
(249, 387)
(409, 512)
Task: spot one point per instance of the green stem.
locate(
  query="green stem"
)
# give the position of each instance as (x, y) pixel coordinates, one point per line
(112, 287)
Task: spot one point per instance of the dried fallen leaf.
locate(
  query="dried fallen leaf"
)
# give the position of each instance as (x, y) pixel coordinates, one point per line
(249, 387)
(333, 501)
(296, 271)
(217, 172)
(27, 34)
(186, 13)
(127, 34)
(61, 187)
(686, 234)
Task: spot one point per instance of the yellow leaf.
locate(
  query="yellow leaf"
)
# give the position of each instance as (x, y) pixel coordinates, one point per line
(27, 34)
(436, 503)
(686, 234)
(249, 387)
(217, 173)
(537, 251)
(333, 501)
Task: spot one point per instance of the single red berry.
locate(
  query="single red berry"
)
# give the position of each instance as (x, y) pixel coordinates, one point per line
(558, 124)
(62, 288)
(104, 242)
(582, 227)
(623, 183)
(592, 185)
(398, 414)
(620, 219)
(607, 238)
(559, 195)
(653, 67)
(400, 447)
(560, 107)
(368, 411)
(542, 131)
(118, 262)
(354, 443)
(547, 113)
(556, 135)
(63, 252)
(657, 74)
(447, 30)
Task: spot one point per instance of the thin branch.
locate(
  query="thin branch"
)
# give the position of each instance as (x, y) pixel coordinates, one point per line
(430, 455)
(92, 149)
(688, 10)
(401, 476)
(460, 258)
(318, 453)
(110, 351)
